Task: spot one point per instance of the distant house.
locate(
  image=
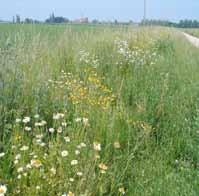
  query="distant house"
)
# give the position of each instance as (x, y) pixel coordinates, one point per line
(82, 20)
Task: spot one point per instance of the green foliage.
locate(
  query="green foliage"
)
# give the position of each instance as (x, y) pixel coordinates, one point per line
(95, 110)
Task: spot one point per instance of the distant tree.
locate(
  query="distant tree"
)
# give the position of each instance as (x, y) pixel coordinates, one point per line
(36, 22)
(95, 21)
(29, 20)
(52, 17)
(130, 22)
(59, 19)
(67, 20)
(115, 22)
(188, 24)
(195, 24)
(18, 19)
(13, 19)
(158, 23)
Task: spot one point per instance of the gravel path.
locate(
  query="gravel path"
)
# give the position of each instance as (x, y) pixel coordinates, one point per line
(193, 40)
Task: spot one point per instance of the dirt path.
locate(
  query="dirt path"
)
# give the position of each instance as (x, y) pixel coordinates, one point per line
(193, 40)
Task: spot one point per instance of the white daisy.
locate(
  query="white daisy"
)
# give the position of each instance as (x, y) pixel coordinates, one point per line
(64, 153)
(36, 116)
(74, 162)
(18, 156)
(59, 130)
(83, 145)
(2, 154)
(97, 146)
(18, 120)
(79, 173)
(53, 171)
(85, 121)
(77, 152)
(51, 130)
(64, 124)
(43, 123)
(38, 187)
(78, 120)
(24, 148)
(3, 190)
(67, 139)
(26, 120)
(28, 128)
(20, 170)
(71, 179)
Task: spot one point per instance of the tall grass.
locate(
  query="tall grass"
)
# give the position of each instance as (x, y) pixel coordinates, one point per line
(117, 111)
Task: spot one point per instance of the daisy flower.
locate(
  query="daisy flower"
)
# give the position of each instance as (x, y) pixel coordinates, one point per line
(26, 120)
(3, 190)
(102, 166)
(2, 154)
(64, 153)
(67, 139)
(74, 162)
(51, 130)
(97, 146)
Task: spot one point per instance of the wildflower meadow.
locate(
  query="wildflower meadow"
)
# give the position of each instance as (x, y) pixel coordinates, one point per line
(98, 111)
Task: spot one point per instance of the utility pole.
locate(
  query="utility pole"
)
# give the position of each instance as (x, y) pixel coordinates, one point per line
(144, 12)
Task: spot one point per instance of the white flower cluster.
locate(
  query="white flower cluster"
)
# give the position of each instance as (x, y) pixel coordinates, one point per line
(88, 59)
(134, 56)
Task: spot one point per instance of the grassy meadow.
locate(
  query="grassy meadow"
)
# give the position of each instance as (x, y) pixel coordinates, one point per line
(98, 111)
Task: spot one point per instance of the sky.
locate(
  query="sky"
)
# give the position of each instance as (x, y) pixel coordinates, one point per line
(122, 10)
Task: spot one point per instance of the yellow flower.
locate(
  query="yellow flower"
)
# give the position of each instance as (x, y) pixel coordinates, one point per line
(102, 166)
(117, 145)
(36, 163)
(17, 137)
(121, 190)
(71, 193)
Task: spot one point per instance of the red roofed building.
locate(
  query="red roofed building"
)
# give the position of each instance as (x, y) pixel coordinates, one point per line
(82, 20)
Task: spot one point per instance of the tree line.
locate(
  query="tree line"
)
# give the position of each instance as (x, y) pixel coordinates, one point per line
(51, 19)
(181, 24)
(60, 19)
